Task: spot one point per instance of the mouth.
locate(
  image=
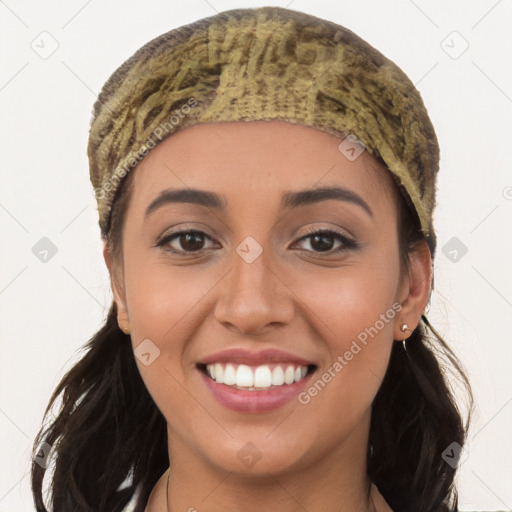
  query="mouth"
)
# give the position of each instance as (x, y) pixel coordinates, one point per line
(256, 378)
(255, 382)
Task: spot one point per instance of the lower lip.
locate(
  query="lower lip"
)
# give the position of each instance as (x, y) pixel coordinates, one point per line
(254, 401)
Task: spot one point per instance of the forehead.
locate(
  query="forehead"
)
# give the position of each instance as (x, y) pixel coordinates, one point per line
(263, 159)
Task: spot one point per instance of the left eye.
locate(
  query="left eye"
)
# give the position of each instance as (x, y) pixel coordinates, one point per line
(321, 241)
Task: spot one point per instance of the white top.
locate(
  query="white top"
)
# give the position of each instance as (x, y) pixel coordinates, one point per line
(130, 506)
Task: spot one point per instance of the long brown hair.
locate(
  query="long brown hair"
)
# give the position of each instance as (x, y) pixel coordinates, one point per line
(109, 432)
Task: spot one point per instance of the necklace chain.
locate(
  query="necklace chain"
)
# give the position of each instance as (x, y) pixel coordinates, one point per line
(167, 494)
(169, 479)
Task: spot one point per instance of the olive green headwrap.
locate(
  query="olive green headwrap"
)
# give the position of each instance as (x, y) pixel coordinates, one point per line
(256, 64)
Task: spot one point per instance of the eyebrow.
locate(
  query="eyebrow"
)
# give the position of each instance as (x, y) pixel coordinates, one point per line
(290, 200)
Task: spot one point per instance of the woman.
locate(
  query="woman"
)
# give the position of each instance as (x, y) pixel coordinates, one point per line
(265, 183)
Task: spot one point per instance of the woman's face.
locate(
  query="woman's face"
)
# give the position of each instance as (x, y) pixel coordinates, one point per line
(253, 292)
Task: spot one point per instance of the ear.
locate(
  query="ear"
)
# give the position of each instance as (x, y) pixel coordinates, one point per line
(415, 290)
(117, 290)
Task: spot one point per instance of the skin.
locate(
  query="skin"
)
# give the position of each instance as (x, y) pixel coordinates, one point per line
(307, 302)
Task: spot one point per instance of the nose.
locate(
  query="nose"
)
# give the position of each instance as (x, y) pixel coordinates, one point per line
(254, 296)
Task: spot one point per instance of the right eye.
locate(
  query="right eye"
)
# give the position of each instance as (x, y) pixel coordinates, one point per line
(191, 241)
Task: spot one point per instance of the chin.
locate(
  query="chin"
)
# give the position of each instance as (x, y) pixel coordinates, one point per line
(256, 456)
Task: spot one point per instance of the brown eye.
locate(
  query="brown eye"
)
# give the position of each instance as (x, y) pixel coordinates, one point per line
(322, 241)
(187, 241)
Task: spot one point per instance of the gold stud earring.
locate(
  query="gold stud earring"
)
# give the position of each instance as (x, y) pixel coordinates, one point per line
(404, 328)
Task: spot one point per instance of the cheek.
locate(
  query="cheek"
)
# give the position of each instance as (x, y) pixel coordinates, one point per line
(351, 301)
(355, 311)
(161, 300)
(161, 305)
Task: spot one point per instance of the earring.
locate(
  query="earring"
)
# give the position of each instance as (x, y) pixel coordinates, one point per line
(126, 329)
(404, 328)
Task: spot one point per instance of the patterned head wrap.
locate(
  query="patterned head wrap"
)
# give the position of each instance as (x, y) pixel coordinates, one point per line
(260, 64)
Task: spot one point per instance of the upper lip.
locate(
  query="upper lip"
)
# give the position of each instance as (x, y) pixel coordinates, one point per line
(242, 356)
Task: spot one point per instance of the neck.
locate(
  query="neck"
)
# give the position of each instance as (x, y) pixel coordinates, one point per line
(336, 481)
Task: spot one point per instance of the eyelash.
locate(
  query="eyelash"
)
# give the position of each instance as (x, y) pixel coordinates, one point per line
(347, 242)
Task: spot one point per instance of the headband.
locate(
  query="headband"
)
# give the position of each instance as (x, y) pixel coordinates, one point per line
(260, 64)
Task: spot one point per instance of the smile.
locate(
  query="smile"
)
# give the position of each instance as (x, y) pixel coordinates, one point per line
(254, 382)
(256, 378)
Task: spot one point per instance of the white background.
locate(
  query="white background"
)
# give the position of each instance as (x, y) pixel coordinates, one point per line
(49, 310)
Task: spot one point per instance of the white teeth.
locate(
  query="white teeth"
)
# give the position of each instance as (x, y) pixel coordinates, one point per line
(244, 376)
(278, 376)
(289, 375)
(261, 377)
(219, 373)
(229, 375)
